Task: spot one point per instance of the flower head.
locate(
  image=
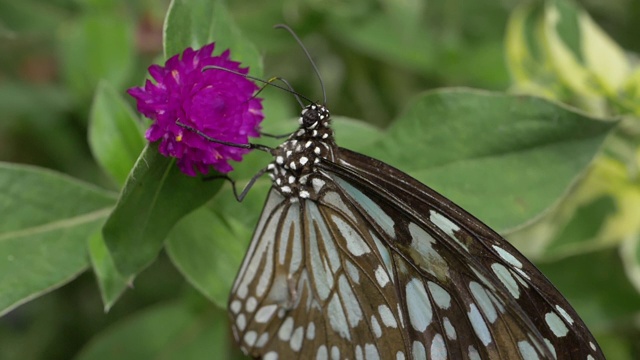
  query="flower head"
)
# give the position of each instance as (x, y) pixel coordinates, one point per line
(216, 102)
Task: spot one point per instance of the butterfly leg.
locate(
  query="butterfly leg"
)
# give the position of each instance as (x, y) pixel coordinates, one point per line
(245, 191)
(281, 136)
(236, 145)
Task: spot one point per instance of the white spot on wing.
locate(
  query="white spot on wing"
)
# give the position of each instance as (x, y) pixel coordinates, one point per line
(284, 333)
(263, 339)
(371, 352)
(265, 313)
(337, 318)
(296, 339)
(321, 279)
(350, 302)
(355, 243)
(504, 254)
(484, 301)
(322, 353)
(556, 324)
(241, 322)
(473, 353)
(564, 314)
(387, 316)
(479, 326)
(335, 353)
(250, 338)
(381, 276)
(507, 279)
(438, 349)
(443, 223)
(317, 184)
(377, 330)
(375, 211)
(418, 350)
(429, 259)
(449, 329)
(418, 305)
(440, 295)
(551, 347)
(527, 351)
(326, 238)
(235, 306)
(311, 331)
(352, 271)
(272, 355)
(251, 304)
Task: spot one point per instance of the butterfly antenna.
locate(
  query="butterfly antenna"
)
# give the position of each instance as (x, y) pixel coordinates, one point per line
(315, 68)
(269, 82)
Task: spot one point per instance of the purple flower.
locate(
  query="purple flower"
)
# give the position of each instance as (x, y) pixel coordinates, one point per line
(216, 102)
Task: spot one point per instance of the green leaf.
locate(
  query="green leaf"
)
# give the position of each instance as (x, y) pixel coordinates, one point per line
(530, 68)
(112, 284)
(380, 36)
(46, 222)
(115, 135)
(168, 331)
(562, 17)
(97, 46)
(584, 225)
(604, 57)
(504, 158)
(630, 254)
(209, 245)
(207, 250)
(355, 134)
(600, 211)
(155, 197)
(195, 23)
(584, 56)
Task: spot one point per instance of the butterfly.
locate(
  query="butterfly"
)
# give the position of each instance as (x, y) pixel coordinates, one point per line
(354, 259)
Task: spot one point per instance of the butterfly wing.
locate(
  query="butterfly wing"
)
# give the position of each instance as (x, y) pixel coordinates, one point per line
(378, 266)
(464, 289)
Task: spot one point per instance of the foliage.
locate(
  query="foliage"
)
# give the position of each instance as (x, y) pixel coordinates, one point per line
(557, 172)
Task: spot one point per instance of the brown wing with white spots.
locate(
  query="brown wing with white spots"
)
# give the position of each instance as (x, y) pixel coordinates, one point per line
(463, 290)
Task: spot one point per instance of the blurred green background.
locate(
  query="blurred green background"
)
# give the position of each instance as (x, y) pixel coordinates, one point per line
(373, 56)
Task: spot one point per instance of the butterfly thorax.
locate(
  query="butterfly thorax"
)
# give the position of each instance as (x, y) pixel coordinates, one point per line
(295, 160)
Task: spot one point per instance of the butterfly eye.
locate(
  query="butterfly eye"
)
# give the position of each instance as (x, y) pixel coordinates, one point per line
(310, 117)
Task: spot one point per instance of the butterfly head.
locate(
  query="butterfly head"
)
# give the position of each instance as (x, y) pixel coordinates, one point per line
(315, 116)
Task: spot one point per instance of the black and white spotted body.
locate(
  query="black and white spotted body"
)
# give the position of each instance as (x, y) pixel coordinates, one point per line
(295, 160)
